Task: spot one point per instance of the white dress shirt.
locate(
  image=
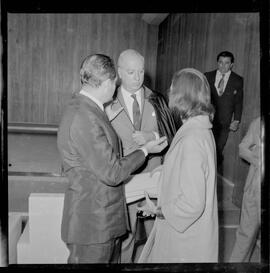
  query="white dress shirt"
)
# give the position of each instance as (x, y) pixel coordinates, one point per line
(219, 76)
(129, 101)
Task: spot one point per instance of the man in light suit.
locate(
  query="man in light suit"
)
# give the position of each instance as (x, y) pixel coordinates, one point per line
(248, 231)
(134, 133)
(227, 98)
(94, 214)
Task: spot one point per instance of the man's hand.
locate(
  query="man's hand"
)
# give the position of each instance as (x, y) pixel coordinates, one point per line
(234, 125)
(156, 146)
(141, 137)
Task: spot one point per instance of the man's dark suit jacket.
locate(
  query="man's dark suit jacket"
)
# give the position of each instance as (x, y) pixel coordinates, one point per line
(94, 205)
(230, 102)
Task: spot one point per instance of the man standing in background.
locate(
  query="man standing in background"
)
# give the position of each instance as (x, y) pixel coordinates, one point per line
(94, 214)
(227, 98)
(142, 116)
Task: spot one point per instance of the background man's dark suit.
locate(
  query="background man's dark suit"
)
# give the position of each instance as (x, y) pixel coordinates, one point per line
(94, 206)
(228, 105)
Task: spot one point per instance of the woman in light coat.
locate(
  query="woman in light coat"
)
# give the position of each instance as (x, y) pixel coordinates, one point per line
(186, 225)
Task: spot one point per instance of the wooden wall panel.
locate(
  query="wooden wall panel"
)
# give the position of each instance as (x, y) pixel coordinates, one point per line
(45, 52)
(194, 40)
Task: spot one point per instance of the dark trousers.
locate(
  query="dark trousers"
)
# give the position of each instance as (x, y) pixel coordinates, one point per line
(108, 252)
(221, 133)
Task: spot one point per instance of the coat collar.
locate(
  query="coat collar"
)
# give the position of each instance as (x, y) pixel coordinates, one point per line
(197, 122)
(82, 99)
(118, 101)
(201, 121)
(146, 92)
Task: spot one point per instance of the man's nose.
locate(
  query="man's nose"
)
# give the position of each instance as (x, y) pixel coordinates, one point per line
(137, 76)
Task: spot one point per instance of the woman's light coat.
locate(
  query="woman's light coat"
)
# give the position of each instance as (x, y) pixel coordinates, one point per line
(188, 198)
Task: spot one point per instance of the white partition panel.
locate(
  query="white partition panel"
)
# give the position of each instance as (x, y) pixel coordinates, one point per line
(41, 241)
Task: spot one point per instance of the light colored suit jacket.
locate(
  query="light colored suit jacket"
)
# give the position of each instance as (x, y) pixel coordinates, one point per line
(124, 127)
(94, 205)
(188, 199)
(250, 150)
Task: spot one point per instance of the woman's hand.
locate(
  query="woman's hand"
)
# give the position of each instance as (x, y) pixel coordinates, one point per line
(156, 170)
(149, 208)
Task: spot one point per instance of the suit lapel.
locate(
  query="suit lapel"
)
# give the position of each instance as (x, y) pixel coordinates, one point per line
(213, 80)
(146, 107)
(212, 77)
(95, 108)
(146, 113)
(143, 99)
(122, 102)
(229, 83)
(125, 116)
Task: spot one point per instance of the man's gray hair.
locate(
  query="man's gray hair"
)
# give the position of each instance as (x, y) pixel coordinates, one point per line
(97, 68)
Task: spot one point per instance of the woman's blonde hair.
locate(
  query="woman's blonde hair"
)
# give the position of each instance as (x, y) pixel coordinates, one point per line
(190, 94)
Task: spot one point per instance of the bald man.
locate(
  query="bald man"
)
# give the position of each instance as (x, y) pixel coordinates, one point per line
(139, 120)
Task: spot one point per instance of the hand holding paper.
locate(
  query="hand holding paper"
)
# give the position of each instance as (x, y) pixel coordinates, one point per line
(141, 137)
(149, 208)
(234, 125)
(156, 146)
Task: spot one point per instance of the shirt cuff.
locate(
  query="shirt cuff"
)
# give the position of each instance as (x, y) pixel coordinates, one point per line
(144, 151)
(156, 135)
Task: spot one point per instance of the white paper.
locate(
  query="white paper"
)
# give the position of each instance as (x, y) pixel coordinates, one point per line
(135, 188)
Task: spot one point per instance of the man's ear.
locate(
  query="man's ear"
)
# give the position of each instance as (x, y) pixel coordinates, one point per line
(119, 73)
(105, 84)
(231, 66)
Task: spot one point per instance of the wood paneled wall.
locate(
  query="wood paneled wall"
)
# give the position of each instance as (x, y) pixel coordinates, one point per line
(194, 40)
(45, 52)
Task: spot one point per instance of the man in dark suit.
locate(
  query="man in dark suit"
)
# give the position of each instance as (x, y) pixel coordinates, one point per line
(94, 214)
(227, 98)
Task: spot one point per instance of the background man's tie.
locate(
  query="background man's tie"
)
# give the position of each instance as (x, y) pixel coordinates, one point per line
(221, 85)
(136, 113)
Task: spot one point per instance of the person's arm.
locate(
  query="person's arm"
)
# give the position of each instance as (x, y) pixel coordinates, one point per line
(238, 101)
(247, 145)
(90, 140)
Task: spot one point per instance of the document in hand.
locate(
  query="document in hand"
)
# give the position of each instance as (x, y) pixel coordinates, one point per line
(139, 183)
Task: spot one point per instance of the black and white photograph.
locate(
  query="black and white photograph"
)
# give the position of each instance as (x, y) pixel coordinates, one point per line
(135, 140)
